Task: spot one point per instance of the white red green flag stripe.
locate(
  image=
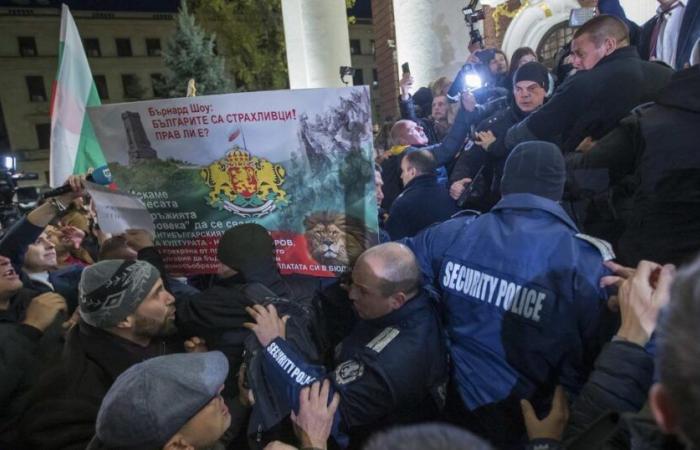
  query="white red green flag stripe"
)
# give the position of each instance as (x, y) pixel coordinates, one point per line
(74, 147)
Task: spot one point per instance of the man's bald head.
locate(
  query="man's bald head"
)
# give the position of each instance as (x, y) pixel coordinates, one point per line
(408, 132)
(394, 266)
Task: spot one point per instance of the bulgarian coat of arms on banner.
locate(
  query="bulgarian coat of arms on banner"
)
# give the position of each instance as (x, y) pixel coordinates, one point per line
(301, 166)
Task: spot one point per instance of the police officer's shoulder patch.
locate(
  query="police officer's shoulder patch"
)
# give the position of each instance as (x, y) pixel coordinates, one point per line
(349, 371)
(383, 339)
(603, 246)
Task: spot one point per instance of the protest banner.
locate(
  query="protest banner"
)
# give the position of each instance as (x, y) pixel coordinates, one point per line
(119, 211)
(299, 163)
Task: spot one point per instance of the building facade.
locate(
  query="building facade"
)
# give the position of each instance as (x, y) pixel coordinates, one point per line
(433, 36)
(124, 52)
(362, 58)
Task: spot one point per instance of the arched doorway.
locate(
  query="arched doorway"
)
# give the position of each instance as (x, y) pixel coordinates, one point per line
(552, 42)
(541, 26)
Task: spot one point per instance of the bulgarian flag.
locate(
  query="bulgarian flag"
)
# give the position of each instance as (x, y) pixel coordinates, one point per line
(74, 147)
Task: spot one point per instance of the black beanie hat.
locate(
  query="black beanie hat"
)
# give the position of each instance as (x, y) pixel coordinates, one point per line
(245, 243)
(535, 167)
(533, 71)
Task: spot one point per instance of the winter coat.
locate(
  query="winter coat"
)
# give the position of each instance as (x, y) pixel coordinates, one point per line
(654, 167)
(422, 203)
(592, 102)
(63, 407)
(490, 161)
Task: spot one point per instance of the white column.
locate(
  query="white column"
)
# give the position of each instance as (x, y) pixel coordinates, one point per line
(432, 37)
(316, 37)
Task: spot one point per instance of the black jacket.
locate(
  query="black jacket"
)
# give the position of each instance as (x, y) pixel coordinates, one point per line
(491, 160)
(63, 407)
(217, 314)
(24, 353)
(592, 102)
(609, 414)
(422, 203)
(654, 168)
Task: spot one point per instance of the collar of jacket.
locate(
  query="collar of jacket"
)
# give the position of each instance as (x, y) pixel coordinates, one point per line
(516, 113)
(417, 303)
(113, 353)
(628, 52)
(532, 201)
(426, 179)
(397, 149)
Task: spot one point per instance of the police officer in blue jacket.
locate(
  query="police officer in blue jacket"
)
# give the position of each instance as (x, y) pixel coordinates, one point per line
(520, 289)
(391, 369)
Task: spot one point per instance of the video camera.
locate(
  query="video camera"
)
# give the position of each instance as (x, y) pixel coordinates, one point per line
(9, 208)
(469, 78)
(471, 17)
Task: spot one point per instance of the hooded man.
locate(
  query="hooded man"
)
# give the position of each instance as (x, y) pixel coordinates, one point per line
(248, 274)
(521, 287)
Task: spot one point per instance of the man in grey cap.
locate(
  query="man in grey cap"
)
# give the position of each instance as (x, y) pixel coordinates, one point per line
(169, 402)
(125, 318)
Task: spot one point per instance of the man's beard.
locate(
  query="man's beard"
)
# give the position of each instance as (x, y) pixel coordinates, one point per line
(147, 327)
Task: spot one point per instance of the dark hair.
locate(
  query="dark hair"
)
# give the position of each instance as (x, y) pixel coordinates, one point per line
(679, 353)
(427, 436)
(499, 51)
(421, 160)
(604, 26)
(517, 56)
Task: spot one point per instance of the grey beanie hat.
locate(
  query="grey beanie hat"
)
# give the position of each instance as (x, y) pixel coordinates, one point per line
(111, 290)
(153, 400)
(535, 167)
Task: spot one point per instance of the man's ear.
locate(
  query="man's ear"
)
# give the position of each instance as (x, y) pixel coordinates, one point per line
(127, 323)
(398, 300)
(662, 408)
(178, 442)
(610, 45)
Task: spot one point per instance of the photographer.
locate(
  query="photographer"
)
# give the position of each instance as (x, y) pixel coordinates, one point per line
(531, 83)
(497, 64)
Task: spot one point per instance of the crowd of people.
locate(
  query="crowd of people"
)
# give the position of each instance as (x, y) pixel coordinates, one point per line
(525, 293)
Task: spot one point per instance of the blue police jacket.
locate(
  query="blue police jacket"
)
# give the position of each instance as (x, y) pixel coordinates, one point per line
(388, 370)
(520, 289)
